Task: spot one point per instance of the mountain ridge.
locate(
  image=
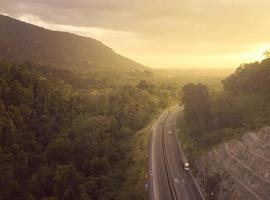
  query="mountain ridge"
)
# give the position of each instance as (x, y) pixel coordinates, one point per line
(20, 42)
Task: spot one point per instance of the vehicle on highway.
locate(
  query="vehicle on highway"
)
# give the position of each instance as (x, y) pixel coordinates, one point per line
(169, 132)
(185, 163)
(186, 166)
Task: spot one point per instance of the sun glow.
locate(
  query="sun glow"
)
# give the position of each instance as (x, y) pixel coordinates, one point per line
(257, 53)
(165, 37)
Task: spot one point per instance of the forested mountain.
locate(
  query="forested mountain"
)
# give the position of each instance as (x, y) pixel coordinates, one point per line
(68, 116)
(243, 105)
(59, 143)
(21, 42)
(250, 79)
(212, 118)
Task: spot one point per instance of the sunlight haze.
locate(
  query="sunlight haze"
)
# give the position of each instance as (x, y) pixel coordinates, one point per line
(134, 99)
(160, 34)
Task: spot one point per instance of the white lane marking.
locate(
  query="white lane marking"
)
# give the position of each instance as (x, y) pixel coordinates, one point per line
(176, 180)
(153, 157)
(155, 187)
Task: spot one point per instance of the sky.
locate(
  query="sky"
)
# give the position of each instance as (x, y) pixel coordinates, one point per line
(160, 33)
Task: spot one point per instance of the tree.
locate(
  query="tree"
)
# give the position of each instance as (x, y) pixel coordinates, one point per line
(41, 183)
(267, 54)
(59, 151)
(59, 142)
(195, 98)
(67, 182)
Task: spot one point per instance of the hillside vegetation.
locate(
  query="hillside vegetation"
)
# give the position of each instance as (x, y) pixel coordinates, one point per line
(213, 117)
(72, 116)
(65, 135)
(20, 42)
(57, 142)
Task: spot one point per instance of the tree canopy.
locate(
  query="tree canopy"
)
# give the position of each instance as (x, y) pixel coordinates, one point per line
(58, 141)
(243, 105)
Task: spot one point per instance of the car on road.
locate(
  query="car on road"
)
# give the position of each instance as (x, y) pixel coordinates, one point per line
(186, 166)
(169, 132)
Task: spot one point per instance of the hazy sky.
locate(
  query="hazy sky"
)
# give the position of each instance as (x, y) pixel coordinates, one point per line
(160, 33)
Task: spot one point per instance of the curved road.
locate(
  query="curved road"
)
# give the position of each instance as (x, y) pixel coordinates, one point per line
(167, 178)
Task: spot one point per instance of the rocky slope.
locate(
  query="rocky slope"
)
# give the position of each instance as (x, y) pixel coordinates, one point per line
(239, 169)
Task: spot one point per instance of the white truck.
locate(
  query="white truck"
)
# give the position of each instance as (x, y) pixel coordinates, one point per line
(185, 163)
(186, 166)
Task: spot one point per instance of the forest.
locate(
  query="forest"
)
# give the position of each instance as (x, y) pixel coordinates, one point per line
(242, 105)
(60, 142)
(73, 112)
(124, 100)
(69, 135)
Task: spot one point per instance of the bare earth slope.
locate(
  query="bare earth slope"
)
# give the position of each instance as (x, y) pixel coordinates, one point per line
(240, 168)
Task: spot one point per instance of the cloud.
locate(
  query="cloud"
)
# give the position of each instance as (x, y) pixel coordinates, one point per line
(95, 32)
(156, 27)
(179, 19)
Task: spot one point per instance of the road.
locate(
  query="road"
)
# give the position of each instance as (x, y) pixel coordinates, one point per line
(167, 178)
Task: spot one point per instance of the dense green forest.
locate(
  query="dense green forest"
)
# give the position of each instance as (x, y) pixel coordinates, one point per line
(72, 113)
(60, 142)
(67, 135)
(213, 117)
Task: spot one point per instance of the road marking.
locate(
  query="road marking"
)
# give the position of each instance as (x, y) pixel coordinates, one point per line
(159, 189)
(176, 180)
(156, 187)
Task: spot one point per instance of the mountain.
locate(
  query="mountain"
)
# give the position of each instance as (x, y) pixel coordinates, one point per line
(20, 41)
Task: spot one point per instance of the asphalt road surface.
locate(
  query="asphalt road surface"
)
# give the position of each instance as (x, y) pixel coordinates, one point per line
(167, 178)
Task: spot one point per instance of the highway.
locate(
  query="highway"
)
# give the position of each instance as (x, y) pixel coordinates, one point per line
(167, 178)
